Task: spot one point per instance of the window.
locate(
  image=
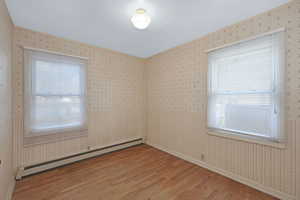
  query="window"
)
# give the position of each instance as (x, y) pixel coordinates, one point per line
(245, 87)
(55, 94)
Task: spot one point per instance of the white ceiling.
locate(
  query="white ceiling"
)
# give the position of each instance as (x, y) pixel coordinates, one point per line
(106, 23)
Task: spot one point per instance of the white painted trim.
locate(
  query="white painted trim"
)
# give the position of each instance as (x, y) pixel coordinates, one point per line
(53, 52)
(245, 40)
(245, 181)
(11, 188)
(40, 168)
(20, 173)
(245, 138)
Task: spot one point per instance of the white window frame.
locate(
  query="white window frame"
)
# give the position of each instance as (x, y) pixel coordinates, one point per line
(277, 92)
(58, 132)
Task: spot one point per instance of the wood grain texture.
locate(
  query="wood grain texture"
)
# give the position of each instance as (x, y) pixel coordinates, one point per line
(141, 173)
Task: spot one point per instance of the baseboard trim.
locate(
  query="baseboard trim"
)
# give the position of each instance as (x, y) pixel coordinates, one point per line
(37, 168)
(11, 188)
(245, 181)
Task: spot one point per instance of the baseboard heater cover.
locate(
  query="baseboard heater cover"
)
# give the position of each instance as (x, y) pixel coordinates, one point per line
(34, 169)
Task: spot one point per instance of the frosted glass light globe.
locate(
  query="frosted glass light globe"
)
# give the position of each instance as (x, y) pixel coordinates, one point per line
(141, 19)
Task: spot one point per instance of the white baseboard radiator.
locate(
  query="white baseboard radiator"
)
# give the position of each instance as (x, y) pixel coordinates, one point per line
(41, 167)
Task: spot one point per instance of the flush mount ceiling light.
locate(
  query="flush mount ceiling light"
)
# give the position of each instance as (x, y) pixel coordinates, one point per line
(141, 19)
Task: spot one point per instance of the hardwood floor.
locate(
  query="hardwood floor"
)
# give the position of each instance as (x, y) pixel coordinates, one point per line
(137, 173)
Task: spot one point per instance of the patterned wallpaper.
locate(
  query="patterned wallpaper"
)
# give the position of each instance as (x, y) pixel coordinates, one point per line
(6, 172)
(175, 88)
(116, 97)
(177, 99)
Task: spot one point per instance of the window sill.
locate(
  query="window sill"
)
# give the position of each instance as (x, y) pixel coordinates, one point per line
(246, 138)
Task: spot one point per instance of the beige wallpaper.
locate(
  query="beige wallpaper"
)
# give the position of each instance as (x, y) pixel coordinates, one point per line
(116, 97)
(6, 147)
(177, 98)
(175, 92)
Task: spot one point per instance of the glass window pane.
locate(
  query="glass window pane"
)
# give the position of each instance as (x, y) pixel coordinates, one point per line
(56, 112)
(247, 72)
(249, 113)
(53, 78)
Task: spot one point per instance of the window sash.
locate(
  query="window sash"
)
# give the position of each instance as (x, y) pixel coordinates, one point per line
(243, 92)
(228, 107)
(59, 127)
(57, 60)
(58, 95)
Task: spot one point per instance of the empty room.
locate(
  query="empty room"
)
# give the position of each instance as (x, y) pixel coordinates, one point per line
(149, 100)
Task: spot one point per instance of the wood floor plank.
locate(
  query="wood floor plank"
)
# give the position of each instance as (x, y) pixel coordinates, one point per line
(137, 173)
